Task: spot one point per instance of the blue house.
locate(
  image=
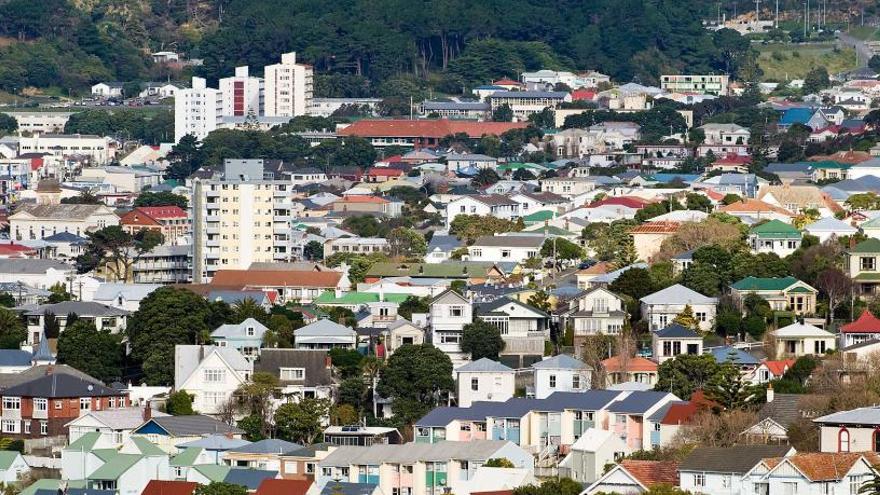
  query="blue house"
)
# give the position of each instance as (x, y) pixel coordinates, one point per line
(245, 337)
(793, 116)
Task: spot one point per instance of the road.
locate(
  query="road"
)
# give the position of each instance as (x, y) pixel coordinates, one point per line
(863, 52)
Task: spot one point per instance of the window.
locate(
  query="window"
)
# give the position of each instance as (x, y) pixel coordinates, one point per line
(292, 373)
(250, 331)
(699, 479)
(11, 403)
(552, 381)
(41, 405)
(27, 427)
(701, 316)
(843, 440)
(9, 426)
(85, 403)
(505, 253)
(213, 398)
(214, 375)
(475, 384)
(868, 263)
(456, 311)
(576, 382)
(58, 404)
(600, 305)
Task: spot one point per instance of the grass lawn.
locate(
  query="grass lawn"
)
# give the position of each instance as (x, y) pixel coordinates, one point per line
(783, 62)
(866, 33)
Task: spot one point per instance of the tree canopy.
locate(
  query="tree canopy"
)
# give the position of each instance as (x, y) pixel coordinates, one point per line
(417, 378)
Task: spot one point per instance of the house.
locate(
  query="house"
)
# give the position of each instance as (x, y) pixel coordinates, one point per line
(164, 487)
(673, 341)
(791, 172)
(584, 277)
(589, 455)
(441, 247)
(262, 455)
(302, 286)
(632, 477)
(778, 414)
(813, 473)
(111, 89)
(630, 370)
(245, 337)
(648, 237)
(560, 373)
(770, 370)
(754, 210)
(660, 308)
(797, 198)
(356, 245)
(525, 103)
(861, 263)
(855, 430)
(742, 360)
(363, 436)
(104, 317)
(597, 311)
(43, 406)
(126, 297)
(325, 335)
(210, 374)
(449, 313)
(865, 328)
(13, 467)
(494, 205)
(41, 221)
(800, 339)
(484, 380)
(456, 162)
(170, 431)
(501, 248)
(114, 425)
(865, 168)
(523, 328)
(723, 469)
(827, 228)
(421, 133)
(774, 237)
(782, 293)
(300, 373)
(170, 221)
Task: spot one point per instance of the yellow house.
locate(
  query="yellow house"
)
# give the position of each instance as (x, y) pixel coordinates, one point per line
(648, 237)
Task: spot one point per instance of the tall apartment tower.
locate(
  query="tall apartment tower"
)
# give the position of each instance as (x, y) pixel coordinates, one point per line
(243, 217)
(197, 110)
(288, 87)
(242, 94)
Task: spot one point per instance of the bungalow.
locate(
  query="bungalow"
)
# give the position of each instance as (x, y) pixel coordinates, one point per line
(484, 380)
(830, 227)
(501, 248)
(660, 308)
(630, 370)
(866, 327)
(796, 198)
(799, 339)
(494, 205)
(754, 210)
(325, 335)
(775, 237)
(673, 341)
(813, 473)
(782, 293)
(770, 370)
(632, 477)
(722, 469)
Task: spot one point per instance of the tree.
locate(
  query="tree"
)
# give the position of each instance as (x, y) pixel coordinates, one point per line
(872, 485)
(346, 361)
(353, 391)
(248, 308)
(503, 113)
(816, 79)
(560, 486)
(485, 177)
(406, 242)
(117, 250)
(523, 174)
(59, 294)
(726, 387)
(685, 374)
(85, 197)
(160, 198)
(167, 317)
(698, 202)
(730, 199)
(836, 285)
(544, 119)
(540, 300)
(7, 300)
(344, 414)
(499, 462)
(416, 378)
(634, 282)
(12, 330)
(363, 226)
(413, 304)
(687, 319)
(470, 227)
(8, 124)
(562, 249)
(220, 488)
(301, 421)
(481, 339)
(313, 251)
(255, 399)
(179, 404)
(81, 342)
(51, 327)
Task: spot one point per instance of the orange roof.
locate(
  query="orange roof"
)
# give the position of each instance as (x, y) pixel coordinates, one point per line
(754, 206)
(778, 367)
(385, 172)
(426, 128)
(158, 487)
(826, 466)
(650, 473)
(850, 157)
(275, 278)
(151, 215)
(283, 487)
(507, 82)
(635, 364)
(599, 268)
(656, 228)
(355, 198)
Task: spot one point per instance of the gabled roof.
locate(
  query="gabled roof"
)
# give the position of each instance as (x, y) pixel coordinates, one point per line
(82, 308)
(315, 363)
(60, 386)
(162, 487)
(870, 245)
(267, 446)
(678, 294)
(324, 328)
(426, 128)
(866, 323)
(215, 442)
(562, 361)
(778, 367)
(733, 355)
(676, 331)
(785, 409)
(484, 365)
(801, 330)
(248, 478)
(498, 307)
(638, 402)
(650, 473)
(634, 364)
(276, 278)
(764, 283)
(194, 425)
(115, 467)
(738, 459)
(776, 229)
(272, 486)
(825, 466)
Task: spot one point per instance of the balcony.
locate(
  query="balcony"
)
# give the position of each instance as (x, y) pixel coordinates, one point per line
(524, 345)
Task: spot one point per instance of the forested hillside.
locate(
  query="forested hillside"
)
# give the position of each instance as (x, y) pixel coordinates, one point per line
(360, 47)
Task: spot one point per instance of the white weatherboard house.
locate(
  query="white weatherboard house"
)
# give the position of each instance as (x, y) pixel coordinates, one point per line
(516, 248)
(325, 334)
(560, 373)
(800, 339)
(12, 467)
(589, 455)
(210, 374)
(811, 473)
(114, 425)
(661, 307)
(722, 470)
(850, 431)
(450, 312)
(484, 380)
(673, 341)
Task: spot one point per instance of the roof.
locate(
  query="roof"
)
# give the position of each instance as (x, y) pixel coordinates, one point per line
(796, 116)
(784, 409)
(426, 128)
(861, 416)
(866, 323)
(830, 224)
(562, 361)
(215, 442)
(633, 364)
(12, 379)
(444, 243)
(58, 385)
(529, 94)
(633, 202)
(186, 457)
(460, 270)
(239, 329)
(16, 357)
(314, 362)
(212, 471)
(161, 487)
(676, 331)
(193, 425)
(273, 486)
(268, 446)
(802, 330)
(82, 308)
(678, 294)
(249, 478)
(324, 328)
(276, 278)
(650, 473)
(734, 355)
(776, 229)
(115, 466)
(754, 206)
(127, 418)
(411, 452)
(7, 457)
(764, 283)
(62, 211)
(778, 367)
(871, 245)
(824, 466)
(661, 227)
(638, 402)
(484, 365)
(738, 459)
(524, 241)
(347, 488)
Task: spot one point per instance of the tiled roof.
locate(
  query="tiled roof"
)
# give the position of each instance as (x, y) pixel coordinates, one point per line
(866, 323)
(634, 364)
(361, 198)
(627, 201)
(426, 128)
(275, 278)
(161, 487)
(778, 367)
(824, 466)
(597, 269)
(282, 487)
(650, 473)
(656, 228)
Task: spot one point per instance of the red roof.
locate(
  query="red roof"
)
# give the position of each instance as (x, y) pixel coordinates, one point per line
(152, 215)
(283, 487)
(357, 198)
(778, 367)
(583, 94)
(275, 278)
(733, 159)
(867, 323)
(635, 364)
(680, 414)
(656, 228)
(424, 128)
(650, 473)
(158, 487)
(12, 250)
(506, 81)
(384, 172)
(628, 201)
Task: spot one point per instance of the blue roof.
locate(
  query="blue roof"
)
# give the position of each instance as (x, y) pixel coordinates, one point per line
(16, 357)
(734, 355)
(775, 168)
(796, 116)
(667, 178)
(637, 402)
(346, 488)
(444, 243)
(66, 237)
(250, 478)
(862, 184)
(676, 331)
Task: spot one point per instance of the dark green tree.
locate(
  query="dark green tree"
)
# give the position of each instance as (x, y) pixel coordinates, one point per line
(79, 343)
(8, 124)
(313, 251)
(417, 378)
(12, 330)
(413, 304)
(301, 421)
(161, 198)
(179, 404)
(220, 488)
(685, 374)
(503, 113)
(481, 339)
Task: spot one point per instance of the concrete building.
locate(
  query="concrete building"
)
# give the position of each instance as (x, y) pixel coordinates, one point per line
(197, 110)
(241, 94)
(703, 84)
(97, 150)
(40, 122)
(288, 88)
(39, 221)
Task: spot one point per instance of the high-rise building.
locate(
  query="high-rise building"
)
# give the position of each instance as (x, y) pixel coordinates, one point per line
(197, 110)
(242, 94)
(239, 218)
(288, 87)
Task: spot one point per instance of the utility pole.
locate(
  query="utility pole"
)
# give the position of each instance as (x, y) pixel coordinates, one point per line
(806, 17)
(757, 11)
(776, 22)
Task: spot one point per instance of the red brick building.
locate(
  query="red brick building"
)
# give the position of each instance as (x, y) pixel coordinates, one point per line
(170, 221)
(43, 406)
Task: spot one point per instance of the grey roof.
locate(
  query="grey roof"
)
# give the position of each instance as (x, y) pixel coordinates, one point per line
(43, 354)
(830, 224)
(471, 157)
(249, 478)
(455, 105)
(188, 357)
(784, 410)
(60, 385)
(63, 211)
(799, 167)
(868, 416)
(215, 442)
(132, 292)
(476, 450)
(525, 241)
(676, 331)
(324, 328)
(8, 380)
(497, 307)
(32, 266)
(81, 308)
(735, 356)
(310, 450)
(127, 418)
(738, 459)
(347, 488)
(638, 402)
(66, 237)
(444, 243)
(193, 425)
(560, 362)
(16, 357)
(268, 446)
(314, 362)
(484, 365)
(529, 94)
(678, 294)
(239, 330)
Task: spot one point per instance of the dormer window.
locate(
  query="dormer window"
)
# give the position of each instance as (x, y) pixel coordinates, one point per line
(250, 331)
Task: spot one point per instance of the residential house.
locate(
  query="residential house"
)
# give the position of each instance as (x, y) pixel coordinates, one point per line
(561, 373)
(441, 247)
(865, 168)
(597, 311)
(402, 332)
(660, 308)
(421, 132)
(484, 380)
(494, 205)
(114, 425)
(782, 293)
(104, 317)
(812, 473)
(865, 328)
(525, 103)
(210, 374)
(449, 313)
(262, 455)
(363, 436)
(13, 467)
(753, 210)
(722, 470)
(861, 264)
(797, 198)
(568, 186)
(356, 245)
(41, 221)
(800, 339)
(501, 248)
(827, 228)
(778, 414)
(584, 277)
(170, 221)
(649, 236)
(775, 237)
(770, 370)
(300, 373)
(589, 455)
(742, 360)
(673, 341)
(325, 335)
(170, 431)
(523, 328)
(126, 297)
(300, 464)
(630, 370)
(632, 477)
(245, 337)
(302, 286)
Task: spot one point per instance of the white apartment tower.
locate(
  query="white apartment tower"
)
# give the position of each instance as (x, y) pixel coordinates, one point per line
(288, 87)
(242, 94)
(197, 110)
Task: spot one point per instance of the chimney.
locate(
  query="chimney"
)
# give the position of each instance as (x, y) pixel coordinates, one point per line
(228, 435)
(50, 369)
(148, 411)
(770, 393)
(327, 361)
(852, 242)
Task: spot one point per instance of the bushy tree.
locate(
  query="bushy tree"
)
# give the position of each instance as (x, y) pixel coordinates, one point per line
(301, 421)
(416, 378)
(220, 488)
(80, 343)
(562, 249)
(179, 403)
(481, 339)
(685, 374)
(12, 330)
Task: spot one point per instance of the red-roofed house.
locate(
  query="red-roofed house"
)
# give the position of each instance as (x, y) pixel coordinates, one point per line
(636, 369)
(509, 84)
(648, 237)
(12, 250)
(361, 204)
(770, 370)
(272, 486)
(160, 487)
(731, 163)
(632, 477)
(171, 221)
(422, 133)
(583, 95)
(382, 174)
(866, 327)
(634, 202)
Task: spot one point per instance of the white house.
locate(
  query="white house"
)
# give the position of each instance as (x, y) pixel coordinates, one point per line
(673, 341)
(210, 374)
(560, 373)
(123, 296)
(325, 334)
(457, 162)
(112, 89)
(589, 455)
(484, 380)
(596, 312)
(245, 337)
(855, 430)
(661, 307)
(104, 317)
(37, 273)
(800, 339)
(114, 425)
(515, 248)
(12, 467)
(494, 205)
(632, 477)
(450, 312)
(811, 473)
(829, 227)
(722, 470)
(40, 221)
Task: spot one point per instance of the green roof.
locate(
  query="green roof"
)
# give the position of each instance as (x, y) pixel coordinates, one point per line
(329, 297)
(115, 467)
(459, 269)
(104, 454)
(830, 164)
(776, 229)
(518, 165)
(539, 216)
(212, 471)
(187, 457)
(7, 457)
(871, 245)
(867, 277)
(86, 442)
(800, 289)
(762, 284)
(147, 447)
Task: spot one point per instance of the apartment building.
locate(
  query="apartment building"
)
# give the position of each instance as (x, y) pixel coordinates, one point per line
(241, 94)
(288, 87)
(98, 150)
(170, 221)
(706, 84)
(525, 103)
(34, 122)
(197, 110)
